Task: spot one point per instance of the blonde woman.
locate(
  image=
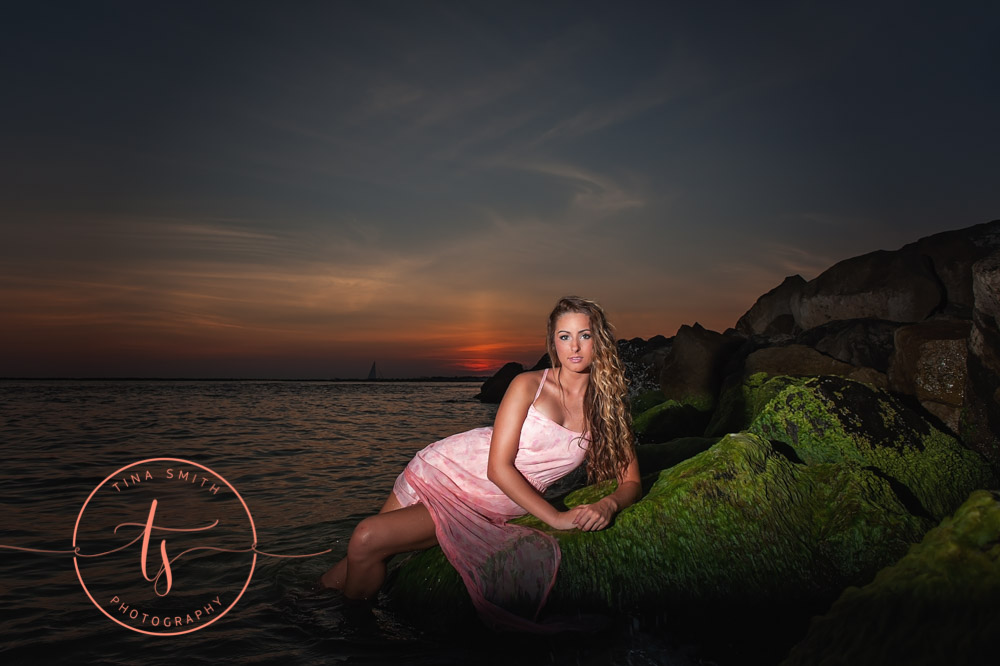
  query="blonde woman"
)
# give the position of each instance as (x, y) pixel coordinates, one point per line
(461, 491)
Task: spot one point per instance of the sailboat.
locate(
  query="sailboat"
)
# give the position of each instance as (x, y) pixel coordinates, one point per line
(374, 374)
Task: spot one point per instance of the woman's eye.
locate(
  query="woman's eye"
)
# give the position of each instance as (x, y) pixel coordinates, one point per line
(586, 336)
(564, 337)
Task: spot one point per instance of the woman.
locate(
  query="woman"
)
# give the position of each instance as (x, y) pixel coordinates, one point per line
(459, 492)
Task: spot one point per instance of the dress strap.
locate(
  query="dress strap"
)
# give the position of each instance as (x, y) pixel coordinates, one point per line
(540, 385)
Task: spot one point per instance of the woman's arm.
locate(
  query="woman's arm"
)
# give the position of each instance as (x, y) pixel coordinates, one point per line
(503, 450)
(597, 516)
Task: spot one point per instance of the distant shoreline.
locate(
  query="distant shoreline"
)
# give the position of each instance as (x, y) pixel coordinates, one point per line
(239, 379)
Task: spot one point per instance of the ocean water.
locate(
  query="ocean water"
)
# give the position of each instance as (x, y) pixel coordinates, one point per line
(309, 459)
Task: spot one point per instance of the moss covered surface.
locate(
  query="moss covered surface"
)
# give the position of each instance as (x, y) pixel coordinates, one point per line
(739, 404)
(426, 586)
(938, 605)
(831, 482)
(739, 523)
(834, 420)
(656, 457)
(669, 420)
(646, 400)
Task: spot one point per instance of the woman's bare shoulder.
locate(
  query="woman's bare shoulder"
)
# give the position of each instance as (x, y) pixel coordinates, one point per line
(524, 385)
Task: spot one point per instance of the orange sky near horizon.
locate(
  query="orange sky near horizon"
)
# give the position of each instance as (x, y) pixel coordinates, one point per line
(95, 329)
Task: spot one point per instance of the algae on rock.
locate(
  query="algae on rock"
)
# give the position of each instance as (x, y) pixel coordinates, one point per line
(740, 522)
(937, 605)
(831, 482)
(740, 403)
(832, 419)
(668, 420)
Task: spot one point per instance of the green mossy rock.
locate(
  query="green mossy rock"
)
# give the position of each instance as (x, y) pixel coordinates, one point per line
(669, 420)
(646, 400)
(656, 457)
(937, 605)
(832, 482)
(739, 404)
(740, 524)
(835, 420)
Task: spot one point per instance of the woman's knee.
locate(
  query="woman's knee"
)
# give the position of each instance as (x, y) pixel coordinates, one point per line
(365, 539)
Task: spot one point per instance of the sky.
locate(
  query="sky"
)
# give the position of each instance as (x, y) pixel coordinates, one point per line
(298, 189)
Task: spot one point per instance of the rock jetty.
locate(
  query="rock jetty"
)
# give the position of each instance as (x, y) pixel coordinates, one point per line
(800, 453)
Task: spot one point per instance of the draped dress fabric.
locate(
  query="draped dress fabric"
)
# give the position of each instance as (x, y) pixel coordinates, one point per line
(508, 569)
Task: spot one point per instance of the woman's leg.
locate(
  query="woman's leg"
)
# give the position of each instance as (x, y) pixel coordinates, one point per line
(379, 537)
(336, 576)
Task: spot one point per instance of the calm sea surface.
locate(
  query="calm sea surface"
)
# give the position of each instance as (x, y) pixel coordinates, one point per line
(309, 458)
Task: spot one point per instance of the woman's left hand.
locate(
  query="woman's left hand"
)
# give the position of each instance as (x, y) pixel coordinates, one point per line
(591, 517)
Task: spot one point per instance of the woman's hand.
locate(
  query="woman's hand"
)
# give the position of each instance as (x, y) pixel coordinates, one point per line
(564, 520)
(592, 517)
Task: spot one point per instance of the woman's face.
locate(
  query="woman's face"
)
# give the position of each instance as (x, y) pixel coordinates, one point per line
(574, 341)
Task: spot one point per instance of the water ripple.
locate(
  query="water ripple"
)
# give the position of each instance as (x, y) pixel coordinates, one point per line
(310, 458)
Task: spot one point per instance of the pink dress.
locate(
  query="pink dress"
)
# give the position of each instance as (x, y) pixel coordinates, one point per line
(508, 569)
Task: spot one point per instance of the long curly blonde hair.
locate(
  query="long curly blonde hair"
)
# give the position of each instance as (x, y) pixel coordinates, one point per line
(604, 408)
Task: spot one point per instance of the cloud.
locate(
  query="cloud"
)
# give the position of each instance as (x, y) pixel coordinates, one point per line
(593, 194)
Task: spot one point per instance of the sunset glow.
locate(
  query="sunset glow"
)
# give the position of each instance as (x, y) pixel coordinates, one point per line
(299, 193)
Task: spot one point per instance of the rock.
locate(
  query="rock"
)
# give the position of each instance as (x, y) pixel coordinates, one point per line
(937, 605)
(692, 371)
(646, 400)
(930, 364)
(771, 313)
(643, 361)
(743, 400)
(953, 253)
(895, 286)
(493, 388)
(835, 420)
(980, 422)
(543, 362)
(781, 327)
(865, 343)
(669, 420)
(654, 458)
(799, 360)
(738, 525)
(831, 484)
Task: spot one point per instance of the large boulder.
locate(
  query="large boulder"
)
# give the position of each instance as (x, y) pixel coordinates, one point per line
(643, 361)
(980, 423)
(835, 420)
(937, 605)
(493, 388)
(831, 483)
(740, 525)
(668, 420)
(895, 286)
(772, 314)
(692, 370)
(866, 343)
(953, 254)
(930, 364)
(743, 399)
(799, 360)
